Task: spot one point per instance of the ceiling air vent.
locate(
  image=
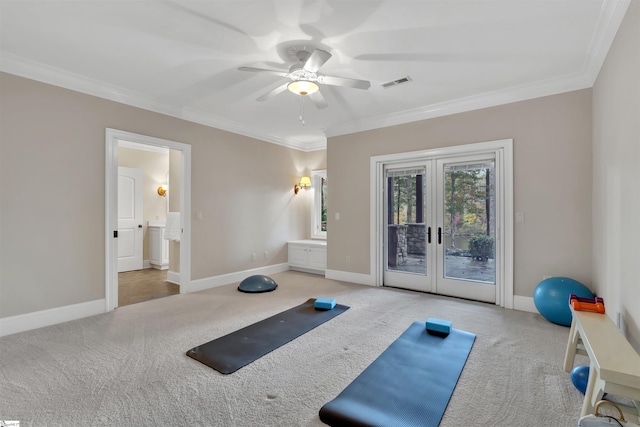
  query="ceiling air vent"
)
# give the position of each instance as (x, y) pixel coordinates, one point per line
(396, 82)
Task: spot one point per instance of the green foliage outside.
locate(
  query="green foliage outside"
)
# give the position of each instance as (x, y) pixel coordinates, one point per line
(481, 247)
(404, 195)
(323, 207)
(466, 194)
(467, 205)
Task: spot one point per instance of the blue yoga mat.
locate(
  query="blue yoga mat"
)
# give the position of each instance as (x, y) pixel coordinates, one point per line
(409, 384)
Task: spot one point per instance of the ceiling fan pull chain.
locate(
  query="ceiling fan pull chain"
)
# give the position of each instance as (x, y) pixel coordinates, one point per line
(302, 110)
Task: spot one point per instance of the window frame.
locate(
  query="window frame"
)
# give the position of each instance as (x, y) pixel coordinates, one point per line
(316, 205)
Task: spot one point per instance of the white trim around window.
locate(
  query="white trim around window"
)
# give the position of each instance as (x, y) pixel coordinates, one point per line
(317, 231)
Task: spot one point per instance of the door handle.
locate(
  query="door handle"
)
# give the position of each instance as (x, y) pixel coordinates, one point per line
(139, 225)
(439, 235)
(428, 234)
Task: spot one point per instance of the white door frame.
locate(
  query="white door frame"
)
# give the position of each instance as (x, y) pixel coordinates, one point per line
(112, 136)
(503, 150)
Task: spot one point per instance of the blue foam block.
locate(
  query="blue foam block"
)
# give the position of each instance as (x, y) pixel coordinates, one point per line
(324, 303)
(438, 326)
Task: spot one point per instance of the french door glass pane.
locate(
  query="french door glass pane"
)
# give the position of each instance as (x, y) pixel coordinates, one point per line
(406, 239)
(323, 204)
(469, 221)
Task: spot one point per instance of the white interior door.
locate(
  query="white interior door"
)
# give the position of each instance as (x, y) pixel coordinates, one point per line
(129, 219)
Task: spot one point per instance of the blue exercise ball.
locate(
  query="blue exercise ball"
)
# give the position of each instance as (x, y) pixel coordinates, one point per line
(257, 283)
(580, 378)
(551, 298)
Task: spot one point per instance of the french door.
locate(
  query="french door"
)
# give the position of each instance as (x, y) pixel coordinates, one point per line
(408, 230)
(440, 219)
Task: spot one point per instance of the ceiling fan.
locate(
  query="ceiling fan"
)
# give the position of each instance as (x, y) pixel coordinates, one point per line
(305, 80)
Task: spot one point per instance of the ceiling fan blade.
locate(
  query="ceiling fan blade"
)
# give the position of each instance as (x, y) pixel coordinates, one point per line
(316, 60)
(273, 92)
(342, 81)
(262, 70)
(318, 100)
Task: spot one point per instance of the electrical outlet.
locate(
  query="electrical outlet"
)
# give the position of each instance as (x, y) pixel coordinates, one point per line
(253, 256)
(348, 260)
(266, 254)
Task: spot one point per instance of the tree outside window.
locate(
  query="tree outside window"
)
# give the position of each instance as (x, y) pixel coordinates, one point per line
(319, 184)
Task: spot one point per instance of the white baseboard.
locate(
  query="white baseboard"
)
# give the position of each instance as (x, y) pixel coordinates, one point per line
(39, 319)
(173, 277)
(307, 270)
(226, 279)
(52, 316)
(146, 264)
(345, 276)
(524, 304)
(519, 302)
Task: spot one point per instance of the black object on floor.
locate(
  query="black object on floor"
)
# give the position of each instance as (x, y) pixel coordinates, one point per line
(409, 384)
(231, 352)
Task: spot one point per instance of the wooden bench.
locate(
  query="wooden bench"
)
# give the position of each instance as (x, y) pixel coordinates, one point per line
(614, 365)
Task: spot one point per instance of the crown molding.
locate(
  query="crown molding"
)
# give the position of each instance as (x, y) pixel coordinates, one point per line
(609, 20)
(23, 67)
(470, 103)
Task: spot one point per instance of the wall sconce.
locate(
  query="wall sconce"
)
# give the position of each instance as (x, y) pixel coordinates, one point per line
(162, 190)
(305, 181)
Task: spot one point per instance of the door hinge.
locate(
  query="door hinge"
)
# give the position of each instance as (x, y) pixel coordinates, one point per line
(115, 234)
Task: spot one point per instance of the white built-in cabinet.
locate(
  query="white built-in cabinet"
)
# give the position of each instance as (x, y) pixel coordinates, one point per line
(308, 255)
(158, 246)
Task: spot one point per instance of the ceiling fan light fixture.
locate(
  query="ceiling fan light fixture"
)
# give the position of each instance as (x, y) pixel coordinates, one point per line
(303, 87)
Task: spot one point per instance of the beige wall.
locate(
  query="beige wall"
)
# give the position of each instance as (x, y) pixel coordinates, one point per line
(616, 165)
(155, 167)
(552, 182)
(52, 182)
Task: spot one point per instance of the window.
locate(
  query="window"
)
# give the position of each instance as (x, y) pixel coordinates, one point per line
(319, 206)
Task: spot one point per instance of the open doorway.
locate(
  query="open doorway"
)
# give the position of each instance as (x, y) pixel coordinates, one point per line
(144, 285)
(163, 232)
(143, 204)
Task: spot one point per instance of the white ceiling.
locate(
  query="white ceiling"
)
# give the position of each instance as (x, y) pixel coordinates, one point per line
(181, 57)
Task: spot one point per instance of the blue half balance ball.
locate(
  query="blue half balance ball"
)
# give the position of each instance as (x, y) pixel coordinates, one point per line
(257, 283)
(580, 378)
(551, 298)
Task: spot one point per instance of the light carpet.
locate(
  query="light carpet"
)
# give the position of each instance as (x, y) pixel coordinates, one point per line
(129, 368)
